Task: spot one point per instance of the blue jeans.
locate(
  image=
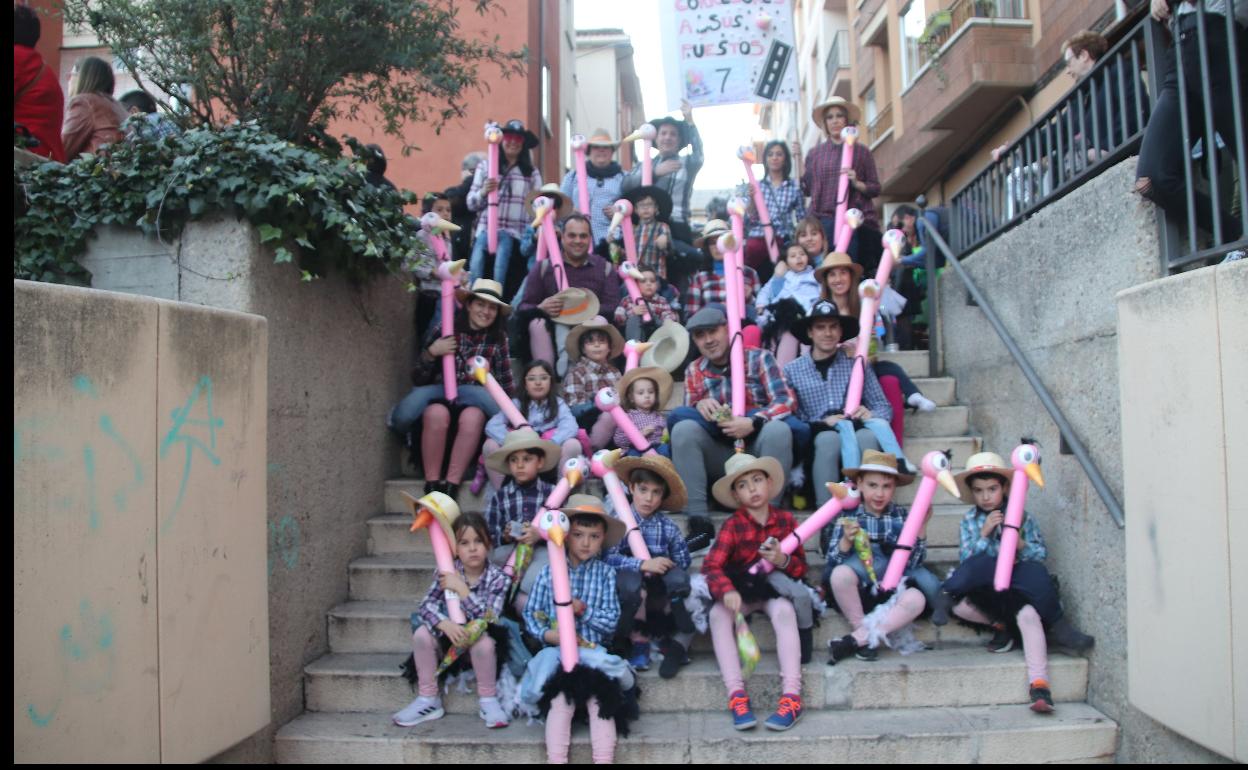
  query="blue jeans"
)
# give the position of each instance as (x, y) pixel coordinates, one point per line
(851, 455)
(476, 265)
(405, 413)
(922, 577)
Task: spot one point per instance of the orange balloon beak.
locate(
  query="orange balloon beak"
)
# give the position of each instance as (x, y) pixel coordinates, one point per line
(946, 480)
(555, 535)
(480, 374)
(1033, 473)
(838, 490)
(423, 519)
(574, 478)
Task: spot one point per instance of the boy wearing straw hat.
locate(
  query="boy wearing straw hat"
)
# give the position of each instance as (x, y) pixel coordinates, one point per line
(590, 348)
(523, 456)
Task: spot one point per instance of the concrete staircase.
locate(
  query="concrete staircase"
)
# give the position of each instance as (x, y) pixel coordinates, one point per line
(952, 703)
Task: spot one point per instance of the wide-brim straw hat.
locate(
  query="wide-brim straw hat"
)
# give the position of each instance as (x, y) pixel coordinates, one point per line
(982, 463)
(817, 113)
(523, 439)
(662, 200)
(601, 138)
(669, 347)
(677, 496)
(740, 464)
(580, 505)
(662, 381)
(489, 290)
(825, 309)
(563, 204)
(879, 462)
(445, 510)
(712, 229)
(836, 259)
(516, 126)
(595, 324)
(579, 305)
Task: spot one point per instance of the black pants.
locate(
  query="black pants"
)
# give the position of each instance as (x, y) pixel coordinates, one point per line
(628, 584)
(1030, 579)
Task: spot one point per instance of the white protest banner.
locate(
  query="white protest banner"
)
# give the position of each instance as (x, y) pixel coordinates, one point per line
(728, 51)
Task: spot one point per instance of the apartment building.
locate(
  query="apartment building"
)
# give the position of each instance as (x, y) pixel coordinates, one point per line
(608, 92)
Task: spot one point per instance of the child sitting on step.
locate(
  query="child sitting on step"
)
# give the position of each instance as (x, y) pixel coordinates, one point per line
(643, 393)
(630, 316)
(511, 511)
(481, 588)
(590, 347)
(784, 301)
(546, 413)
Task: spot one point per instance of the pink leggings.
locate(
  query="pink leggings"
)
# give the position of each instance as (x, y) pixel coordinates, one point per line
(845, 588)
(426, 651)
(1035, 646)
(602, 431)
(559, 732)
(788, 349)
(783, 620)
(437, 424)
(571, 448)
(897, 400)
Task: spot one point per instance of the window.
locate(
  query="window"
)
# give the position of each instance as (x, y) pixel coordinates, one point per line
(567, 142)
(872, 110)
(546, 97)
(913, 23)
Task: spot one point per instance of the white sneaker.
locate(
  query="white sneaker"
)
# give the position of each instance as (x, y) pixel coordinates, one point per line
(420, 710)
(921, 402)
(797, 476)
(491, 712)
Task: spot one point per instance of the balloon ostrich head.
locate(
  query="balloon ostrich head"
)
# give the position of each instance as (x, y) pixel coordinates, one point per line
(893, 240)
(607, 399)
(1026, 458)
(869, 289)
(579, 142)
(746, 153)
(637, 347)
(630, 270)
(726, 243)
(737, 207)
(542, 207)
(604, 460)
(849, 134)
(574, 471)
(847, 493)
(853, 218)
(645, 131)
(623, 208)
(553, 526)
(449, 271)
(432, 223)
(493, 133)
(480, 369)
(936, 465)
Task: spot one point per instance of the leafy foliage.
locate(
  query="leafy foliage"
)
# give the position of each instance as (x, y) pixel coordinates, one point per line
(310, 206)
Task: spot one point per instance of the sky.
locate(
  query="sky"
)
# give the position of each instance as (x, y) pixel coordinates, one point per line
(723, 129)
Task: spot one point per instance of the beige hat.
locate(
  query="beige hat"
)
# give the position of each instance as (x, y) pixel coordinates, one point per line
(518, 439)
(563, 204)
(677, 496)
(662, 380)
(589, 505)
(596, 324)
(486, 289)
(740, 464)
(821, 109)
(669, 347)
(601, 138)
(836, 259)
(441, 507)
(878, 462)
(982, 463)
(712, 229)
(579, 305)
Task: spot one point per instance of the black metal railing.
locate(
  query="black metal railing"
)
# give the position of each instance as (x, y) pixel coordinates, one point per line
(838, 56)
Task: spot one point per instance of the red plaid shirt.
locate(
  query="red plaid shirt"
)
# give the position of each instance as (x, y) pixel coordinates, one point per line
(823, 173)
(765, 387)
(471, 345)
(736, 548)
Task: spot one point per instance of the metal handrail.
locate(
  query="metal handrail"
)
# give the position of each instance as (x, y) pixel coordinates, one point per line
(1020, 358)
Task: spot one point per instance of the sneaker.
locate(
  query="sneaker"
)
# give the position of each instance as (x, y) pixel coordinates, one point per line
(640, 659)
(491, 712)
(742, 714)
(420, 710)
(869, 654)
(674, 657)
(800, 503)
(921, 402)
(1041, 698)
(1002, 641)
(787, 713)
(701, 535)
(846, 646)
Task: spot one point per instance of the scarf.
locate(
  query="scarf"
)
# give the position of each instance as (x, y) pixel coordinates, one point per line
(608, 171)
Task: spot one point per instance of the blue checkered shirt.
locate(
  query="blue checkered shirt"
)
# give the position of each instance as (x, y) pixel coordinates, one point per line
(662, 537)
(514, 503)
(820, 396)
(784, 206)
(1031, 545)
(593, 582)
(883, 531)
(484, 598)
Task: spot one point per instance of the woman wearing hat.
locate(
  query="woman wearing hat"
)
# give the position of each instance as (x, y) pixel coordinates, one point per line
(517, 177)
(821, 180)
(783, 196)
(606, 178)
(479, 331)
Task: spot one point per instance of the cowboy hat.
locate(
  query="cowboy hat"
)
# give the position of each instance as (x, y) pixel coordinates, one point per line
(851, 109)
(669, 347)
(712, 229)
(596, 324)
(579, 305)
(677, 496)
(522, 439)
(517, 127)
(486, 289)
(982, 463)
(441, 507)
(588, 505)
(661, 198)
(878, 462)
(824, 309)
(681, 126)
(601, 138)
(662, 381)
(740, 464)
(563, 204)
(836, 259)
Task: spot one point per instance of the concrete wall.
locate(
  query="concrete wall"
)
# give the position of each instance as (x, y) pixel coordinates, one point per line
(1189, 333)
(1053, 280)
(339, 358)
(139, 578)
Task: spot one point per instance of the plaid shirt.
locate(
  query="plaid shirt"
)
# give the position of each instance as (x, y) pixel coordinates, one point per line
(648, 252)
(596, 276)
(593, 582)
(766, 389)
(1031, 546)
(736, 548)
(602, 193)
(485, 598)
(660, 311)
(883, 531)
(651, 425)
(471, 344)
(662, 537)
(821, 395)
(709, 288)
(585, 378)
(784, 206)
(513, 186)
(820, 182)
(514, 502)
(678, 185)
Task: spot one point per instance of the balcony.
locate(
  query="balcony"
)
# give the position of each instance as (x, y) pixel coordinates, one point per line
(877, 128)
(836, 66)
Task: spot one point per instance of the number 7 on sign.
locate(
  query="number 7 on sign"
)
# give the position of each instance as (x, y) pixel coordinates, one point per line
(724, 83)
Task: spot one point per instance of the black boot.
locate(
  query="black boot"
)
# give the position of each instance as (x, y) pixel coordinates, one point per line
(673, 659)
(806, 637)
(681, 616)
(941, 607)
(1063, 634)
(701, 535)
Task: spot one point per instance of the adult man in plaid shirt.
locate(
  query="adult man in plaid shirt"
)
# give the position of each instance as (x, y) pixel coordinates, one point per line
(701, 443)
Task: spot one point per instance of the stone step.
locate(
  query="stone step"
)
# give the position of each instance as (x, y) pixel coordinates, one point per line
(385, 627)
(408, 576)
(1076, 732)
(951, 677)
(942, 390)
(390, 533)
(941, 421)
(915, 363)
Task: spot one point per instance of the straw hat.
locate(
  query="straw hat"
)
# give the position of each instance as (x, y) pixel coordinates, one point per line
(824, 309)
(677, 496)
(486, 289)
(740, 464)
(983, 462)
(601, 138)
(523, 438)
(662, 380)
(589, 505)
(712, 229)
(820, 109)
(878, 462)
(444, 510)
(669, 347)
(595, 324)
(837, 259)
(563, 204)
(579, 305)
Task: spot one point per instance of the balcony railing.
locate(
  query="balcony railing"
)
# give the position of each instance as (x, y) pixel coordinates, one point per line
(883, 121)
(959, 14)
(838, 55)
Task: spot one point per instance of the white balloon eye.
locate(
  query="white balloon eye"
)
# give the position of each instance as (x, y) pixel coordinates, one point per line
(940, 462)
(562, 520)
(1028, 454)
(548, 520)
